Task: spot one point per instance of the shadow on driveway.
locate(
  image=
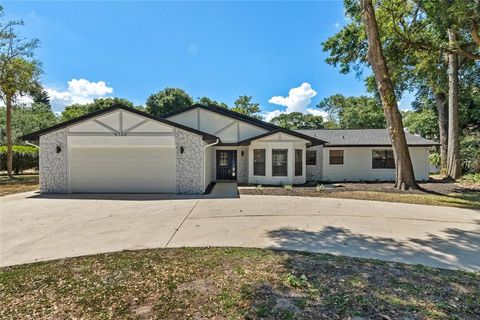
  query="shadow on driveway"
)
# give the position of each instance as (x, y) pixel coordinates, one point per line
(456, 249)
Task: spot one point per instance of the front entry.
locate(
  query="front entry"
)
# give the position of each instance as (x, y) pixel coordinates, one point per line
(226, 164)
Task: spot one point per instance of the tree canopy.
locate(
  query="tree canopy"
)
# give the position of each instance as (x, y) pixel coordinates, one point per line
(77, 110)
(244, 105)
(168, 100)
(354, 112)
(209, 102)
(298, 120)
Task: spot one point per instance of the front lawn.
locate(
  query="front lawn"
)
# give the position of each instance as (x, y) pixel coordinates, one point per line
(436, 192)
(234, 283)
(17, 184)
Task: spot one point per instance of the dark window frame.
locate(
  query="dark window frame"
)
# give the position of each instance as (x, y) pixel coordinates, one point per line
(284, 166)
(298, 162)
(308, 160)
(337, 160)
(385, 161)
(259, 165)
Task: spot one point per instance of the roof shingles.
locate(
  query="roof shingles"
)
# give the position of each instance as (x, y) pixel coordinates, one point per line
(362, 137)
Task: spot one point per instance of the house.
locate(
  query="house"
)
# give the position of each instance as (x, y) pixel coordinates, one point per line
(123, 150)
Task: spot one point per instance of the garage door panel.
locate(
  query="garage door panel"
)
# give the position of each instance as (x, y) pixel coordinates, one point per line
(122, 169)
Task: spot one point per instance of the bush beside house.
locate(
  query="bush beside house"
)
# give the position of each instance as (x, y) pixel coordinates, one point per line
(24, 158)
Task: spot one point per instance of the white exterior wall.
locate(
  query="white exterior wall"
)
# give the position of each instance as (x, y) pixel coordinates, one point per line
(357, 165)
(315, 172)
(277, 144)
(209, 165)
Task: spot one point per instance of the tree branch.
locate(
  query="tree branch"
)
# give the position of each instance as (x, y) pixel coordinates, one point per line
(474, 32)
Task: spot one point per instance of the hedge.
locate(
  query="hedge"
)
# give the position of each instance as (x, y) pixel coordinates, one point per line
(24, 158)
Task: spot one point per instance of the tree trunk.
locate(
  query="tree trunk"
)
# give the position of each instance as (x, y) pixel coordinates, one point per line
(442, 110)
(454, 170)
(404, 175)
(8, 102)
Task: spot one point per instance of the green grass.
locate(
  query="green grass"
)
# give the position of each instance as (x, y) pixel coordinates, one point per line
(234, 283)
(471, 178)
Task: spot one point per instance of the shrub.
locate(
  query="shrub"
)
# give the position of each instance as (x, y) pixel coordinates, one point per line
(295, 281)
(259, 187)
(24, 158)
(288, 187)
(470, 153)
(319, 187)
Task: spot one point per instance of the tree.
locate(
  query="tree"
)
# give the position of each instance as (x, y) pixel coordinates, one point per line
(404, 175)
(209, 102)
(168, 100)
(20, 75)
(244, 106)
(27, 119)
(422, 122)
(76, 110)
(354, 112)
(17, 74)
(298, 120)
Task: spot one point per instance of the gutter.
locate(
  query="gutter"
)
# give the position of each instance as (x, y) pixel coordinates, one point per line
(31, 144)
(205, 161)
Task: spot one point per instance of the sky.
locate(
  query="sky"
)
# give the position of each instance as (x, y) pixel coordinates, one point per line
(269, 50)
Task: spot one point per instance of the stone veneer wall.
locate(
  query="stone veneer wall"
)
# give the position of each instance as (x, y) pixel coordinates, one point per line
(189, 164)
(242, 164)
(315, 173)
(53, 165)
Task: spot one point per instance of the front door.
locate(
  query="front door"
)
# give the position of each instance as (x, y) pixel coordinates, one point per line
(226, 164)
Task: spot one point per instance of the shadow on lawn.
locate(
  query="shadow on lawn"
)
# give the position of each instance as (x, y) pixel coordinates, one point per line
(338, 287)
(456, 249)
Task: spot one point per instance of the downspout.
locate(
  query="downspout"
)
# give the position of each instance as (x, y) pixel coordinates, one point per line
(205, 161)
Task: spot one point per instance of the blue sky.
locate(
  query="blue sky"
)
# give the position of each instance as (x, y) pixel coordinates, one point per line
(216, 49)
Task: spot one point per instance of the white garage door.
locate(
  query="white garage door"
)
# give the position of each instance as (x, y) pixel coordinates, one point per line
(122, 169)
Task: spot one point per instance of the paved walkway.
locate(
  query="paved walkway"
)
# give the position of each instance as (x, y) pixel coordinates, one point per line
(34, 227)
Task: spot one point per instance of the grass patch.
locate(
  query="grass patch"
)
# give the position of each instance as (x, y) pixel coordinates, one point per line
(17, 184)
(234, 283)
(457, 197)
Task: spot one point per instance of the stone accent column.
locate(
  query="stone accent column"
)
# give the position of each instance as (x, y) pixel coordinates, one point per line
(190, 167)
(242, 164)
(53, 164)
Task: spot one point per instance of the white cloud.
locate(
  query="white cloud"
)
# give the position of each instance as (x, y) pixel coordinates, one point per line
(337, 25)
(317, 112)
(298, 100)
(79, 91)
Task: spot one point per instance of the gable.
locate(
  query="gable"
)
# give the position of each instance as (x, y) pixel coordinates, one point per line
(119, 123)
(228, 129)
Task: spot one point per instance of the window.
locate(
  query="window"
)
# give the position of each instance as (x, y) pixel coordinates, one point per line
(279, 162)
(298, 162)
(336, 156)
(383, 159)
(259, 162)
(312, 157)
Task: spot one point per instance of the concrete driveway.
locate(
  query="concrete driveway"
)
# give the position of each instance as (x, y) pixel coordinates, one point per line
(34, 227)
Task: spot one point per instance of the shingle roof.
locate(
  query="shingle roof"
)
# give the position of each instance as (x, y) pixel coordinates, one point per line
(362, 137)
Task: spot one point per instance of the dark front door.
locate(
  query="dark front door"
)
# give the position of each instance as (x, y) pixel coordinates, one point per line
(226, 164)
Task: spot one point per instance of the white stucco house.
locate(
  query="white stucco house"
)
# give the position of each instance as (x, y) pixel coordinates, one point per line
(123, 150)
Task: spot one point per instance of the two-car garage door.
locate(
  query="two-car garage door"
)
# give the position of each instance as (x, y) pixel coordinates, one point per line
(119, 169)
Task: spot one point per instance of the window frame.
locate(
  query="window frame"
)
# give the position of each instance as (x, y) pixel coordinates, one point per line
(336, 157)
(387, 160)
(309, 163)
(255, 162)
(285, 163)
(298, 163)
